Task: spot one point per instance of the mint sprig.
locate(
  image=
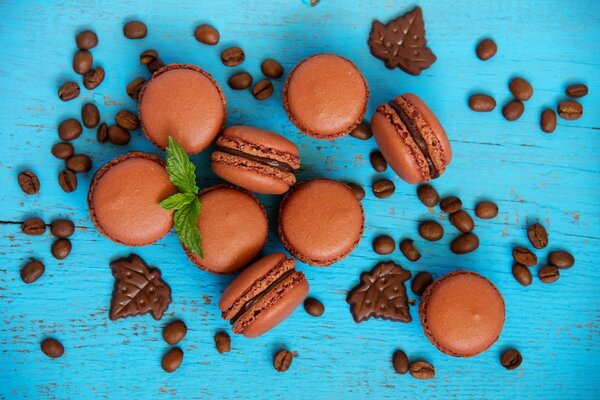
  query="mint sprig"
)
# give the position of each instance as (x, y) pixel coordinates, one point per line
(185, 203)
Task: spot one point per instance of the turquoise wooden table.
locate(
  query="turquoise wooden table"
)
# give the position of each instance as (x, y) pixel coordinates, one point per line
(531, 175)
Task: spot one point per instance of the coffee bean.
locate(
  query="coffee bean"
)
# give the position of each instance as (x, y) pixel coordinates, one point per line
(486, 49)
(102, 133)
(271, 68)
(93, 78)
(524, 256)
(549, 274)
(69, 129)
(128, 120)
(462, 221)
(314, 307)
(538, 237)
(400, 362)
(82, 62)
(79, 163)
(133, 88)
(486, 210)
(90, 116)
(521, 89)
(383, 188)
(174, 332)
(61, 248)
(52, 348)
(29, 182)
(465, 243)
(233, 56)
(450, 204)
(428, 195)
(511, 359)
(362, 131)
(548, 120)
(155, 65)
(421, 282)
(207, 34)
(62, 150)
(32, 271)
(481, 102)
(377, 161)
(384, 244)
(262, 90)
(33, 227)
(561, 259)
(86, 40)
(357, 191)
(62, 228)
(67, 181)
(172, 359)
(431, 230)
(576, 90)
(522, 274)
(314, 2)
(513, 110)
(135, 30)
(240, 81)
(222, 342)
(570, 110)
(282, 360)
(68, 91)
(407, 247)
(422, 370)
(147, 56)
(118, 136)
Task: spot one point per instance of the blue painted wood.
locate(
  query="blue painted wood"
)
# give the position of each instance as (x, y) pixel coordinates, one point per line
(532, 175)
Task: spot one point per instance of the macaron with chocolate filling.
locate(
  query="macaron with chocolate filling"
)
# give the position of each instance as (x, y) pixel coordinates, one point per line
(233, 226)
(185, 102)
(325, 96)
(255, 159)
(263, 295)
(320, 221)
(462, 313)
(411, 139)
(124, 199)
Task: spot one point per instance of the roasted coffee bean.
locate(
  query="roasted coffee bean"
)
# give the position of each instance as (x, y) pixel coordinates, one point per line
(102, 133)
(79, 163)
(513, 110)
(400, 362)
(62, 228)
(570, 110)
(271, 68)
(383, 188)
(357, 191)
(172, 359)
(524, 256)
(450, 204)
(282, 360)
(549, 274)
(147, 56)
(262, 90)
(52, 348)
(207, 34)
(384, 244)
(93, 78)
(431, 230)
(511, 359)
(314, 307)
(522, 274)
(462, 221)
(486, 49)
(521, 89)
(82, 62)
(68, 91)
(86, 40)
(135, 30)
(577, 90)
(421, 282)
(233, 56)
(465, 243)
(67, 181)
(486, 210)
(90, 116)
(222, 342)
(174, 332)
(62, 150)
(33, 227)
(240, 81)
(362, 131)
(118, 136)
(155, 65)
(481, 102)
(61, 248)
(314, 2)
(538, 237)
(548, 120)
(29, 182)
(421, 370)
(69, 129)
(407, 247)
(128, 120)
(32, 271)
(561, 259)
(133, 88)
(377, 161)
(428, 195)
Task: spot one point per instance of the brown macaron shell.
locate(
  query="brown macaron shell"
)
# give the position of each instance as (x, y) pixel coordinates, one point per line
(325, 96)
(462, 313)
(124, 199)
(185, 102)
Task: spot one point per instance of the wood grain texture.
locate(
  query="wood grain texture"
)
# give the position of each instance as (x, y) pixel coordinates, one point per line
(531, 175)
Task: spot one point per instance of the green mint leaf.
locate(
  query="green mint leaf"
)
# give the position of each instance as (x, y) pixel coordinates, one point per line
(180, 168)
(186, 225)
(177, 201)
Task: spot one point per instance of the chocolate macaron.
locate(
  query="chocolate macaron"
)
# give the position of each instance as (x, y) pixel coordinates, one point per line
(411, 139)
(325, 96)
(263, 295)
(233, 226)
(462, 313)
(320, 221)
(256, 159)
(124, 199)
(185, 102)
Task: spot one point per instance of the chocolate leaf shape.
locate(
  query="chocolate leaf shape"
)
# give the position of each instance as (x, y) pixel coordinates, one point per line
(138, 289)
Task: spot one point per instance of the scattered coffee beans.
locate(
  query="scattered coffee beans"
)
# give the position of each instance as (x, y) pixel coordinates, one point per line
(522, 274)
(68, 91)
(62, 228)
(62, 150)
(233, 56)
(262, 90)
(271, 68)
(357, 191)
(384, 244)
(52, 348)
(118, 136)
(462, 221)
(33, 227)
(548, 120)
(400, 362)
(314, 307)
(570, 110)
(524, 256)
(93, 78)
(511, 359)
(82, 62)
(377, 161)
(465, 243)
(282, 360)
(90, 116)
(428, 195)
(482, 102)
(172, 359)
(240, 81)
(133, 88)
(450, 204)
(207, 34)
(422, 370)
(174, 332)
(79, 163)
(521, 89)
(67, 181)
(29, 182)
(147, 56)
(222, 342)
(421, 282)
(561, 259)
(513, 110)
(383, 188)
(486, 210)
(431, 230)
(102, 133)
(86, 40)
(576, 91)
(32, 271)
(537, 236)
(61, 248)
(135, 30)
(486, 49)
(407, 247)
(127, 120)
(69, 129)
(362, 131)
(549, 274)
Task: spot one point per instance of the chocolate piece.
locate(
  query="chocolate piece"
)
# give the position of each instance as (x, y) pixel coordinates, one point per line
(263, 160)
